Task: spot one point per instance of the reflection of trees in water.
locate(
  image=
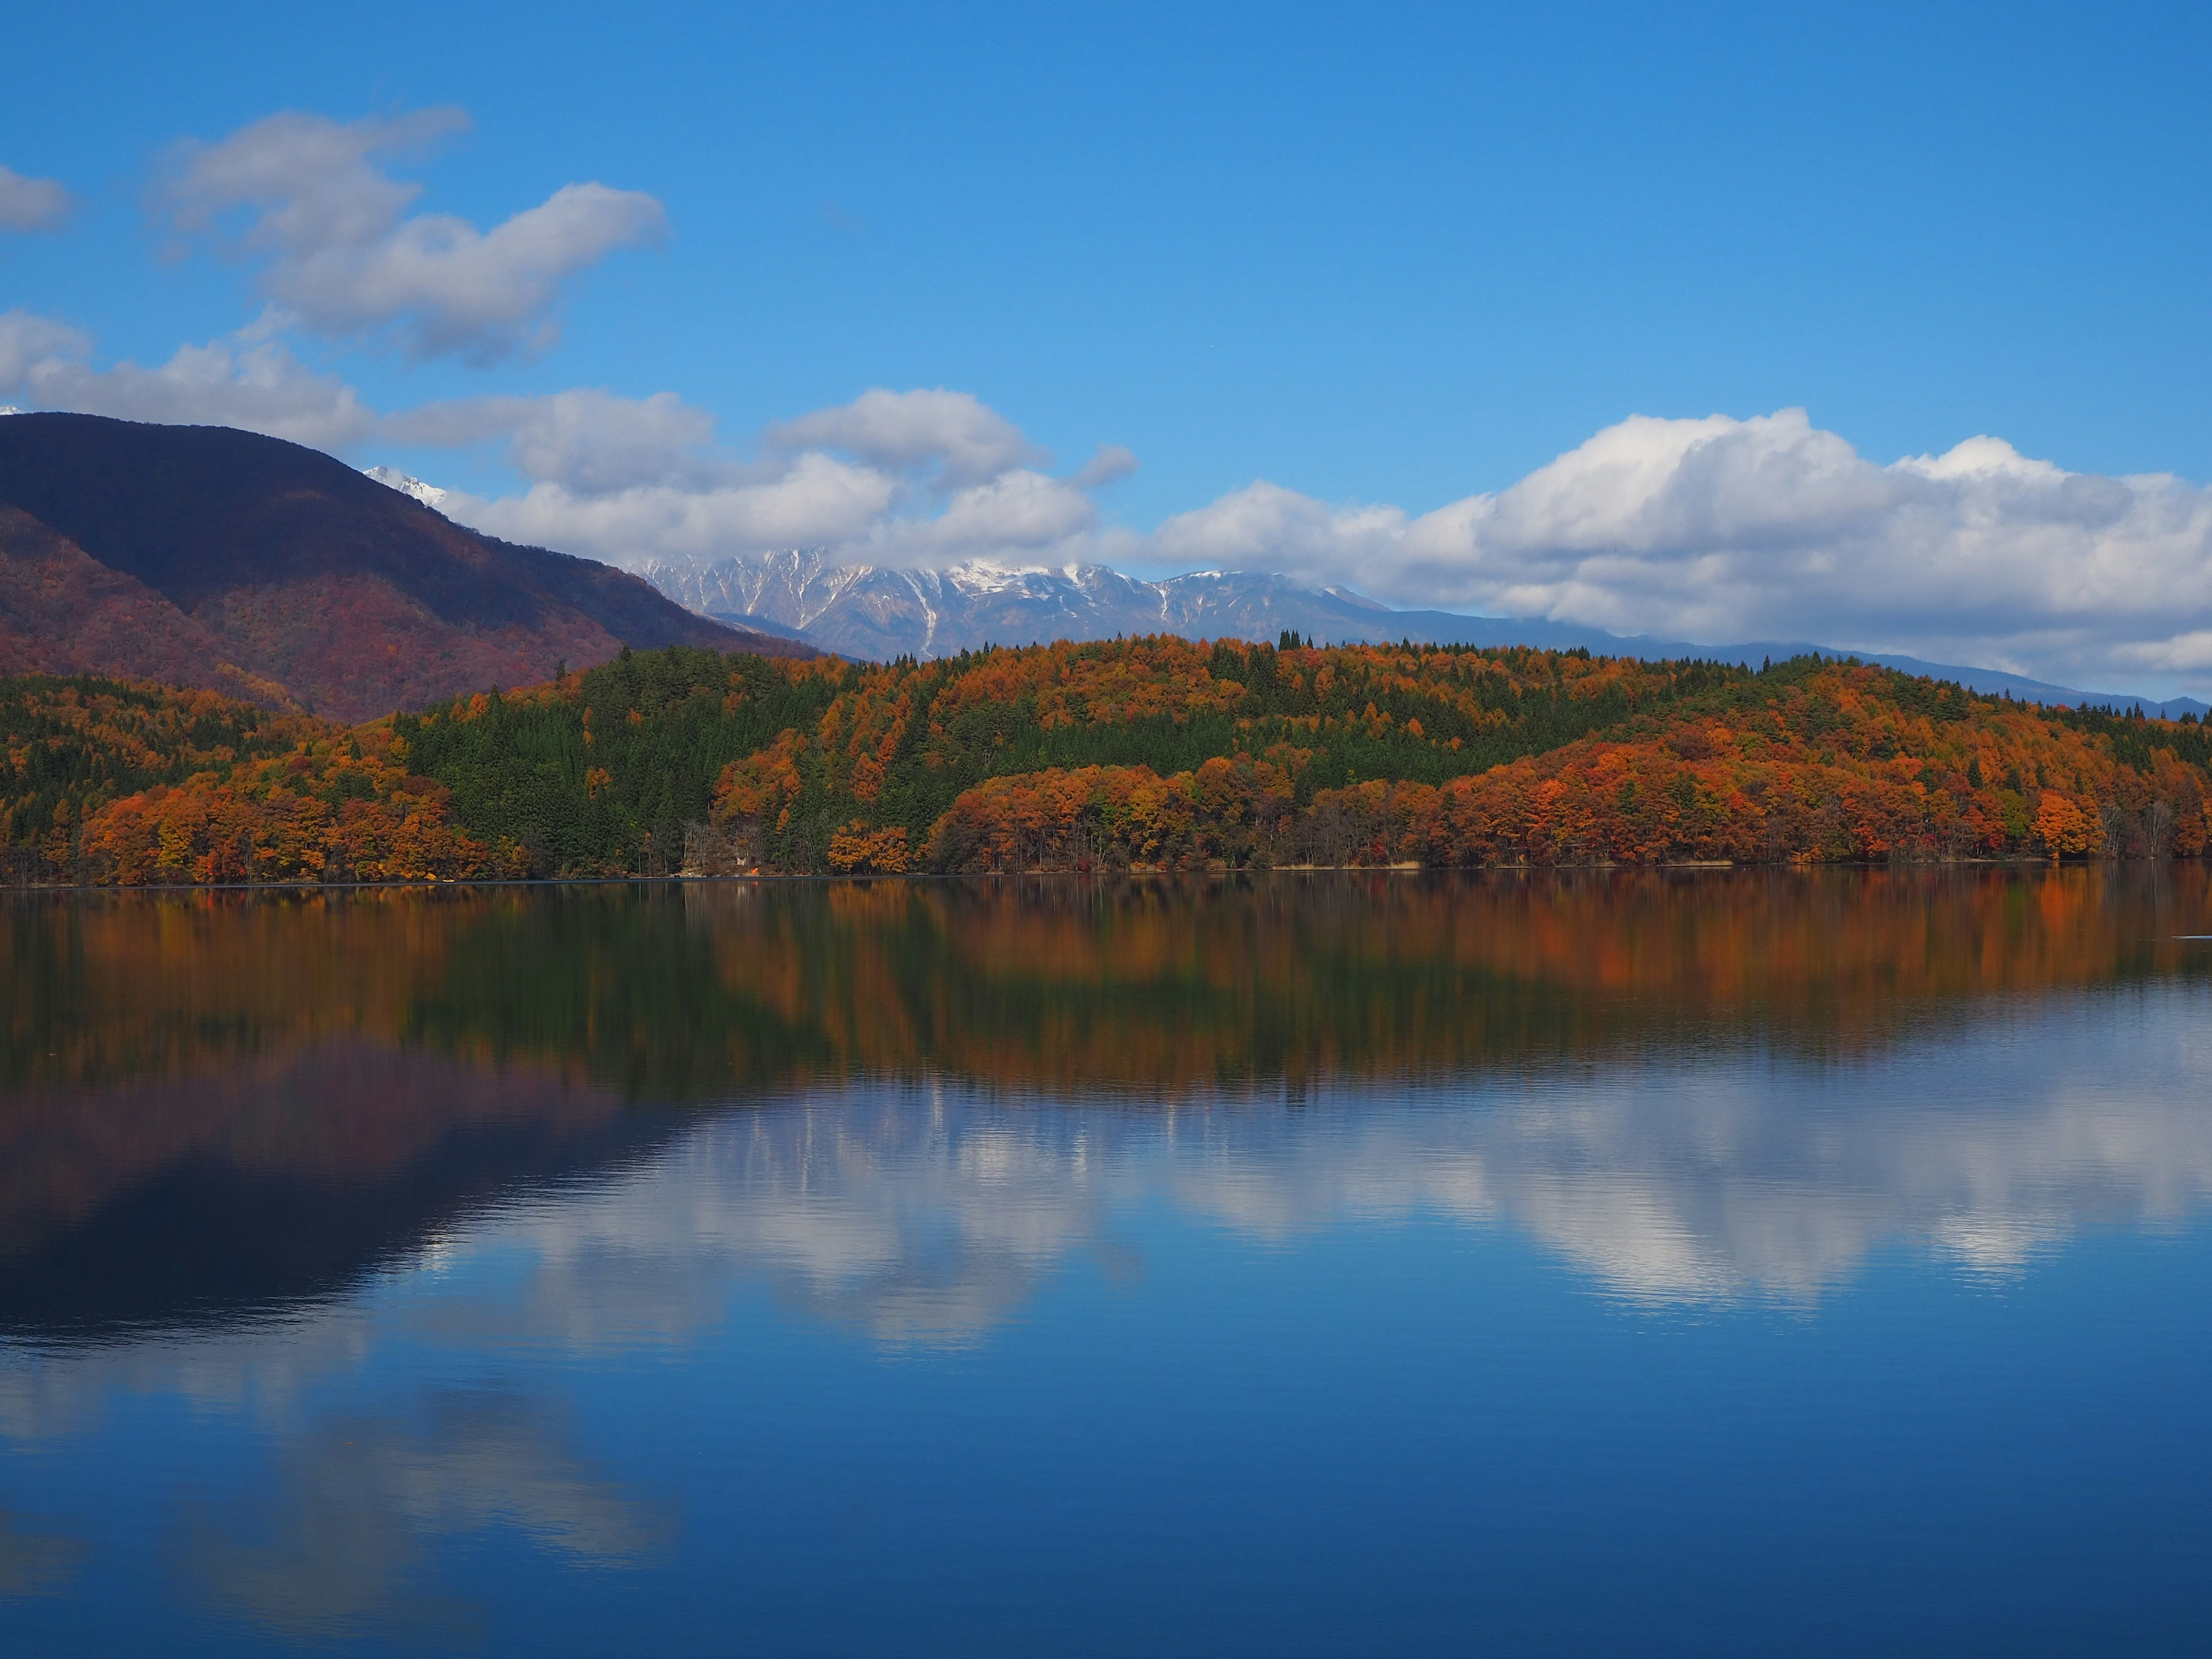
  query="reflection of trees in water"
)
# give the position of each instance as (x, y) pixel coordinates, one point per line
(1165, 987)
(930, 1213)
(685, 994)
(212, 1101)
(1692, 1089)
(285, 1176)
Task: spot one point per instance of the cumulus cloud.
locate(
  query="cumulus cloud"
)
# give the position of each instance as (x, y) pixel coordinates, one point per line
(902, 478)
(1716, 529)
(588, 442)
(28, 344)
(813, 500)
(630, 480)
(1019, 509)
(31, 204)
(1109, 464)
(817, 500)
(305, 197)
(962, 439)
(250, 380)
(1266, 526)
(1721, 530)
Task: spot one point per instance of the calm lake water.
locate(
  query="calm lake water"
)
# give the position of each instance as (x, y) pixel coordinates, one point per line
(1713, 1263)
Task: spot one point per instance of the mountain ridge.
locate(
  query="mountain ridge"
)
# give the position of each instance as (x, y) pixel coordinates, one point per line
(881, 612)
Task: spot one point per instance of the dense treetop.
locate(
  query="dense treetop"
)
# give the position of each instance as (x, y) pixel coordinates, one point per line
(1155, 752)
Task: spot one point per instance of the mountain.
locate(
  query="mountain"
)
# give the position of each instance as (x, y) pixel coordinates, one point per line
(64, 612)
(871, 611)
(866, 610)
(201, 555)
(407, 485)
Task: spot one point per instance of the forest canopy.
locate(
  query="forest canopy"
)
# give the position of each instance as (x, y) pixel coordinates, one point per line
(1153, 753)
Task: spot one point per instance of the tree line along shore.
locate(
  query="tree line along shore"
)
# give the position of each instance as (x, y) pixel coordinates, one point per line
(1155, 753)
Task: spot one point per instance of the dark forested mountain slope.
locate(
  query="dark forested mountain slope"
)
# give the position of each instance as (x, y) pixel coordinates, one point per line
(224, 559)
(64, 612)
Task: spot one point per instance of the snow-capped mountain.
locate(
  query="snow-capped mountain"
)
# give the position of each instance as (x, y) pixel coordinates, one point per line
(392, 478)
(878, 613)
(869, 610)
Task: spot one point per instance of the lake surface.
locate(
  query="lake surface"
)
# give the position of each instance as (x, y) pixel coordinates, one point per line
(1707, 1263)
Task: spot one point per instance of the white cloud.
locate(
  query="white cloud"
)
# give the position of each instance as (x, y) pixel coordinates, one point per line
(588, 442)
(1110, 465)
(1018, 509)
(964, 440)
(1721, 530)
(815, 500)
(31, 204)
(249, 380)
(636, 481)
(329, 229)
(1300, 536)
(28, 344)
(1716, 530)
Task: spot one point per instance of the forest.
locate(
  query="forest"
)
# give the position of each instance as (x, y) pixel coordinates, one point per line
(1146, 754)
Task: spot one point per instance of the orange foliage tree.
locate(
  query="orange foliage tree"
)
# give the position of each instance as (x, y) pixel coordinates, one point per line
(1831, 767)
(341, 808)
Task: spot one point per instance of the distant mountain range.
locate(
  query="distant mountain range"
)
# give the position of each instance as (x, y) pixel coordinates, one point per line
(206, 556)
(878, 613)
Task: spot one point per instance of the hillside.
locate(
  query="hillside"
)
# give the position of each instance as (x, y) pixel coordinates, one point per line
(1163, 753)
(113, 782)
(206, 556)
(1153, 753)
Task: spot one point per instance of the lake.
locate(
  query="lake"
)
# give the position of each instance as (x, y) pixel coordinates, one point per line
(1689, 1262)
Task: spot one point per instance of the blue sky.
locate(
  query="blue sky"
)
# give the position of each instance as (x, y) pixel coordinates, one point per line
(1392, 256)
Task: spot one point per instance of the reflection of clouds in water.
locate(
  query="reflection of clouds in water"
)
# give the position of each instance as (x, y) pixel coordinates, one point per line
(335, 1541)
(1983, 1148)
(926, 1215)
(33, 1563)
(919, 1218)
(933, 1215)
(259, 1366)
(1732, 1176)
(334, 1544)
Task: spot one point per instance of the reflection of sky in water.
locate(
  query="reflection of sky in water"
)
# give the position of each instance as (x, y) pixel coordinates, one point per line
(334, 1543)
(530, 1390)
(933, 1214)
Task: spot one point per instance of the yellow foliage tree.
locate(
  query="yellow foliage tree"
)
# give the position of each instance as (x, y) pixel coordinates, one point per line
(2063, 828)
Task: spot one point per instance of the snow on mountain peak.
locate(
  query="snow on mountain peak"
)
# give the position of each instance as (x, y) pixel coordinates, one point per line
(392, 478)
